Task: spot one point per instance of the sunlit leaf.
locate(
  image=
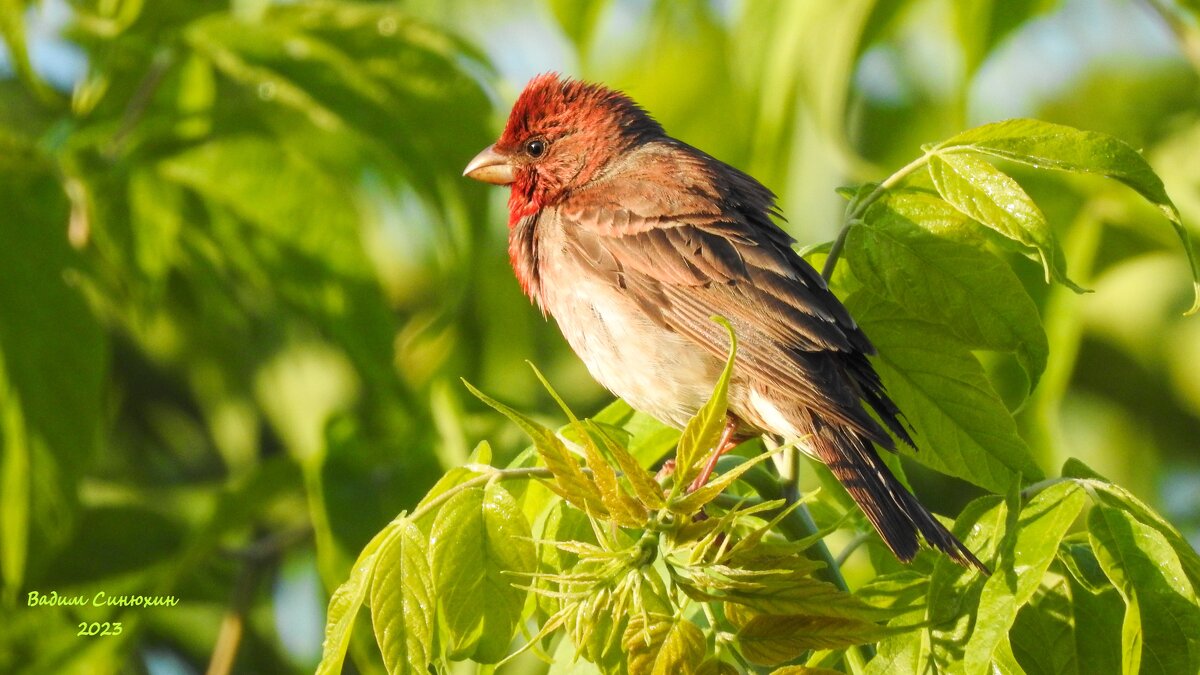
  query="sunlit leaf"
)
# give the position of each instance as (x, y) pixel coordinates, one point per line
(770, 640)
(963, 428)
(642, 481)
(954, 591)
(970, 291)
(990, 196)
(346, 601)
(1054, 146)
(402, 602)
(704, 429)
(573, 484)
(1026, 555)
(649, 439)
(664, 647)
(623, 508)
(1161, 631)
(479, 547)
(1118, 497)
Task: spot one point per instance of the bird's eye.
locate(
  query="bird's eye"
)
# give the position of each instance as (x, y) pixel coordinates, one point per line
(535, 147)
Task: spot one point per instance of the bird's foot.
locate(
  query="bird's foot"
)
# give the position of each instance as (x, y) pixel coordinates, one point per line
(726, 443)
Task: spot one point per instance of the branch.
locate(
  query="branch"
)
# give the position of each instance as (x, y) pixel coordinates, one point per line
(858, 208)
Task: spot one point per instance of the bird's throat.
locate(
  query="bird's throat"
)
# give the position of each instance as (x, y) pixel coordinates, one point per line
(523, 253)
(524, 199)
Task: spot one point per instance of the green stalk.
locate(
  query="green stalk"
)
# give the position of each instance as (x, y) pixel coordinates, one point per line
(859, 207)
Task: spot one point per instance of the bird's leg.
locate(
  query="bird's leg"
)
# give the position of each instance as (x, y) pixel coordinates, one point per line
(724, 445)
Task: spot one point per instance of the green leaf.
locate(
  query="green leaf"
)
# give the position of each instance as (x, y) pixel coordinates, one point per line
(53, 360)
(402, 602)
(560, 523)
(667, 646)
(1043, 635)
(704, 429)
(578, 19)
(572, 483)
(1004, 662)
(1077, 556)
(595, 624)
(480, 547)
(280, 192)
(624, 509)
(769, 640)
(368, 71)
(896, 254)
(565, 661)
(954, 592)
(964, 428)
(1118, 497)
(1097, 619)
(806, 596)
(1066, 629)
(645, 488)
(990, 196)
(1161, 631)
(649, 439)
(1026, 555)
(347, 599)
(156, 206)
(1054, 146)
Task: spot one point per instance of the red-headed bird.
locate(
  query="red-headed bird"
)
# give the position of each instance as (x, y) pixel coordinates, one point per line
(633, 240)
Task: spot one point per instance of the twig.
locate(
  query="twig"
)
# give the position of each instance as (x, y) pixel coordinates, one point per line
(140, 101)
(858, 540)
(264, 553)
(859, 208)
(1187, 36)
(1029, 491)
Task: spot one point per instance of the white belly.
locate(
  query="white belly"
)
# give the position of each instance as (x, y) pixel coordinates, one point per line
(655, 370)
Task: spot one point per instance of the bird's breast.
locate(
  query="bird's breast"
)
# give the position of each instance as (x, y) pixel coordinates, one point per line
(654, 369)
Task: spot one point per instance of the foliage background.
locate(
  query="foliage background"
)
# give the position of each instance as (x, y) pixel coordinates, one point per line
(240, 274)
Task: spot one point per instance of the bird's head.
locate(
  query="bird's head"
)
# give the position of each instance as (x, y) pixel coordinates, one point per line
(560, 135)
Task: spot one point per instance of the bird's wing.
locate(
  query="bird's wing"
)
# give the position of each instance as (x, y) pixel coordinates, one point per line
(704, 259)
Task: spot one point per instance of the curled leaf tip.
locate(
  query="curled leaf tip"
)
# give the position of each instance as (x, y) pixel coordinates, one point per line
(1195, 299)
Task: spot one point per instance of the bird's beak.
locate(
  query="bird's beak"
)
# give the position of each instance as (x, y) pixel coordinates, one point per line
(490, 166)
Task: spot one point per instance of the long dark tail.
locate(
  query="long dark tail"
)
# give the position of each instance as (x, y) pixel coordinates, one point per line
(892, 509)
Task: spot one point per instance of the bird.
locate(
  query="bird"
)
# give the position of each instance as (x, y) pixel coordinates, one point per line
(632, 240)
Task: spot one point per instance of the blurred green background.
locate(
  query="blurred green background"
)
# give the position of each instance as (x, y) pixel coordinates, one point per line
(241, 276)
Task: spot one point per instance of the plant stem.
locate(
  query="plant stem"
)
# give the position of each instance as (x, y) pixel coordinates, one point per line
(263, 553)
(141, 99)
(1032, 490)
(799, 524)
(859, 208)
(858, 540)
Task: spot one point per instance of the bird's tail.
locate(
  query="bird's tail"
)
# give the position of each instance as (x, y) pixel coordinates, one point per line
(891, 508)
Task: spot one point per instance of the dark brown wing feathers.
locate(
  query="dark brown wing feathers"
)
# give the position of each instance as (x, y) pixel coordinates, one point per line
(717, 252)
